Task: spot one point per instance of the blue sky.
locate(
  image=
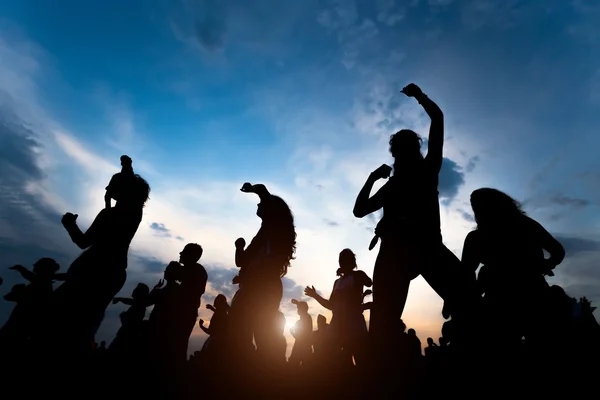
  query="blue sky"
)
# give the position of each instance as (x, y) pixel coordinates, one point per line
(302, 96)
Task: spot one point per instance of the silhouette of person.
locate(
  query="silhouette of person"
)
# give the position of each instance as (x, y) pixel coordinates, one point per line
(411, 240)
(99, 273)
(14, 333)
(34, 301)
(347, 329)
(255, 307)
(217, 328)
(192, 287)
(319, 337)
(511, 246)
(128, 336)
(163, 328)
(414, 344)
(431, 349)
(301, 331)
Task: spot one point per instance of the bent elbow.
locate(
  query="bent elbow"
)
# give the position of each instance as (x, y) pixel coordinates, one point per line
(358, 213)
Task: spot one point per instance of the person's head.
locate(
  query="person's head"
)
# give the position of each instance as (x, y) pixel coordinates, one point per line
(430, 341)
(278, 218)
(347, 261)
(220, 301)
(321, 321)
(301, 306)
(411, 332)
(405, 146)
(141, 290)
(173, 272)
(190, 254)
(126, 187)
(492, 207)
(46, 267)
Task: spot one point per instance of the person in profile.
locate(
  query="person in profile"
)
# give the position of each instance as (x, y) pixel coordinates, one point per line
(217, 328)
(318, 338)
(254, 309)
(411, 239)
(99, 273)
(301, 332)
(127, 338)
(348, 329)
(192, 287)
(511, 247)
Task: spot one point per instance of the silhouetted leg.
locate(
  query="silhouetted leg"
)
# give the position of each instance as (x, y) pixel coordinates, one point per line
(390, 291)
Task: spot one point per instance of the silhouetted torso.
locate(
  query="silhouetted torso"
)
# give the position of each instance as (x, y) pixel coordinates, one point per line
(411, 206)
(111, 234)
(512, 256)
(193, 285)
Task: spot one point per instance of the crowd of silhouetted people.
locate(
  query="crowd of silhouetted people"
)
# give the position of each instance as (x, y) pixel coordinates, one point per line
(508, 332)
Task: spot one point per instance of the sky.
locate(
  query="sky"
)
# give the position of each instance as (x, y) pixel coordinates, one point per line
(301, 96)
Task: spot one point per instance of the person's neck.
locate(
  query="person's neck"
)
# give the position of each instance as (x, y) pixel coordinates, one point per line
(189, 264)
(125, 205)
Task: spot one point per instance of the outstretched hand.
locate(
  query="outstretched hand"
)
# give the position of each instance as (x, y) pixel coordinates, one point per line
(383, 172)
(17, 267)
(235, 280)
(310, 291)
(160, 284)
(211, 307)
(69, 219)
(412, 90)
(294, 301)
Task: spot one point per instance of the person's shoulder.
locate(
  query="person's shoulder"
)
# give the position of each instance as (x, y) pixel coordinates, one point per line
(473, 236)
(360, 273)
(200, 270)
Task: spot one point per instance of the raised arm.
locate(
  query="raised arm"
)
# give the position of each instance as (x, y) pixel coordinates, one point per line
(124, 300)
(25, 273)
(60, 276)
(82, 240)
(365, 204)
(310, 291)
(258, 189)
(204, 328)
(435, 144)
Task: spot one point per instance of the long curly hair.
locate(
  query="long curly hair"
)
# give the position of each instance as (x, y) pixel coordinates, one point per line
(492, 207)
(281, 220)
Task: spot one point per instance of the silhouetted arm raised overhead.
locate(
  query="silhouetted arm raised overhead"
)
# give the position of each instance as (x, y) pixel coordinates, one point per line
(435, 146)
(258, 189)
(366, 205)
